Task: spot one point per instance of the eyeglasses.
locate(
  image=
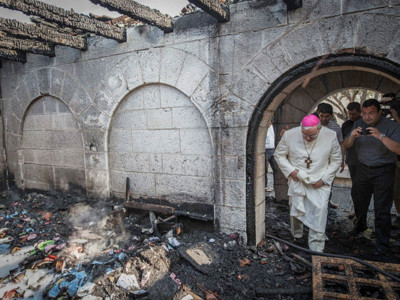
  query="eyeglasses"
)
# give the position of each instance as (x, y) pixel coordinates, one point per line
(370, 114)
(311, 136)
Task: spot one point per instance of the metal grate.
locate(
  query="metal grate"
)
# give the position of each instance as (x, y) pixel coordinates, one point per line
(339, 278)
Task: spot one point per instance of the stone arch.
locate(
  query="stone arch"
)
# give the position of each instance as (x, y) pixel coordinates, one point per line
(168, 66)
(287, 102)
(52, 151)
(70, 97)
(160, 140)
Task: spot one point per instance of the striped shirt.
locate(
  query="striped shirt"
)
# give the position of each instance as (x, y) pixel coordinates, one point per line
(336, 128)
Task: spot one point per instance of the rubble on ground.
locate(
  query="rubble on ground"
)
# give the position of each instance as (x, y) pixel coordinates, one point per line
(61, 246)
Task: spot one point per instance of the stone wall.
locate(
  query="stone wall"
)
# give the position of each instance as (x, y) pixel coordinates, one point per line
(208, 88)
(160, 140)
(52, 147)
(3, 173)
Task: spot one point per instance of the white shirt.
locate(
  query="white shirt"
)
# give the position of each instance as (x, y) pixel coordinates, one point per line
(270, 141)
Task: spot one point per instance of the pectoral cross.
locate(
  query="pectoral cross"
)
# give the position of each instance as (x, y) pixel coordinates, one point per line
(308, 161)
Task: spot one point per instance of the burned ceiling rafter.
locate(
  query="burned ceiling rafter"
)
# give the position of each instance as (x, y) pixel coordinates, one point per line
(293, 4)
(42, 33)
(65, 18)
(13, 55)
(140, 12)
(213, 8)
(27, 45)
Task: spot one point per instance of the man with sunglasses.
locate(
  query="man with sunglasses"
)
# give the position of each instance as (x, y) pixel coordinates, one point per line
(377, 143)
(309, 156)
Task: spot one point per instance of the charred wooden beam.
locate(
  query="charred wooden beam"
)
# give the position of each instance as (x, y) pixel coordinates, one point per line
(213, 8)
(65, 18)
(27, 45)
(44, 34)
(293, 4)
(14, 55)
(139, 12)
(150, 207)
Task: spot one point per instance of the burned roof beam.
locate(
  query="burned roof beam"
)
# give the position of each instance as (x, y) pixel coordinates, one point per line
(293, 4)
(45, 34)
(138, 11)
(14, 55)
(213, 8)
(27, 45)
(65, 18)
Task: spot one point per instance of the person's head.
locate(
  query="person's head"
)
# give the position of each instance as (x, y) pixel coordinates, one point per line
(310, 127)
(354, 111)
(371, 112)
(325, 112)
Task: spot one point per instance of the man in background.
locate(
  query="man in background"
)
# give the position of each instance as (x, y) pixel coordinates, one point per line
(377, 142)
(325, 114)
(269, 155)
(354, 113)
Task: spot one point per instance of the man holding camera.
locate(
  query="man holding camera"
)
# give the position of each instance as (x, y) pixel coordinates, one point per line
(377, 142)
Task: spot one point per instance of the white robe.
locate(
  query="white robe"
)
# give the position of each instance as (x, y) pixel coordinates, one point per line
(309, 205)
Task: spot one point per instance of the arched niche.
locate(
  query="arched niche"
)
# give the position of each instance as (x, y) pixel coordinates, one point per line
(160, 140)
(52, 148)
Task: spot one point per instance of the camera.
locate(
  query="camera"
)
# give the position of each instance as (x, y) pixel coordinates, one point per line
(389, 101)
(364, 132)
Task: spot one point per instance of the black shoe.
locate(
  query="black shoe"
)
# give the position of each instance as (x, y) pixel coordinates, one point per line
(332, 204)
(396, 223)
(351, 215)
(379, 252)
(358, 230)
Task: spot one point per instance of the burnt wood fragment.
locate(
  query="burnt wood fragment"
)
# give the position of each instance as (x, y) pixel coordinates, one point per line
(293, 4)
(31, 46)
(65, 18)
(13, 55)
(139, 12)
(44, 34)
(265, 292)
(150, 207)
(213, 8)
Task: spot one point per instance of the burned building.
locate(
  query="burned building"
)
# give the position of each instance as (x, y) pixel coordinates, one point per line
(181, 106)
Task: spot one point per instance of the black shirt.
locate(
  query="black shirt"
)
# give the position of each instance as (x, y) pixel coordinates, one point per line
(351, 153)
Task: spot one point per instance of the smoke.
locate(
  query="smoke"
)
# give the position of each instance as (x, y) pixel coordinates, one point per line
(95, 229)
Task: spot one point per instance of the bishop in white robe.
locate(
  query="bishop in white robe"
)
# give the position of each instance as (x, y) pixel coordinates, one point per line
(309, 156)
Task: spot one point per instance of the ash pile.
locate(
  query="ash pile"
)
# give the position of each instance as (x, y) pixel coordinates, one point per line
(60, 246)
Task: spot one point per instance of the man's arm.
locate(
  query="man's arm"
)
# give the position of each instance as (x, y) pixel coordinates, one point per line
(349, 141)
(389, 143)
(343, 155)
(395, 115)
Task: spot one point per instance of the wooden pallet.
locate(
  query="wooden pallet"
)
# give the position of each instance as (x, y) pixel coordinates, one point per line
(339, 278)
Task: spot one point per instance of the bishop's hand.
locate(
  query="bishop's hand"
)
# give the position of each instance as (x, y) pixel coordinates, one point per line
(293, 175)
(318, 184)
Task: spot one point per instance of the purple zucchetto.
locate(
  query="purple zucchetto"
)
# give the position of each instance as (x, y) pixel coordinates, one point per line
(310, 121)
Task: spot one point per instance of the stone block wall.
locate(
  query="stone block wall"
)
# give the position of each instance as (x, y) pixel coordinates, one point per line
(160, 140)
(3, 172)
(52, 148)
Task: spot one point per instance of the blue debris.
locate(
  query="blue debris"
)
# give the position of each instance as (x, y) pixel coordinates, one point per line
(70, 283)
(12, 215)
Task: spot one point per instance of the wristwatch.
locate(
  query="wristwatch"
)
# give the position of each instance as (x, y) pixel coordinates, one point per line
(382, 136)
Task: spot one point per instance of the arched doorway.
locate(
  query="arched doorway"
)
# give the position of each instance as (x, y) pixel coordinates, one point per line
(290, 98)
